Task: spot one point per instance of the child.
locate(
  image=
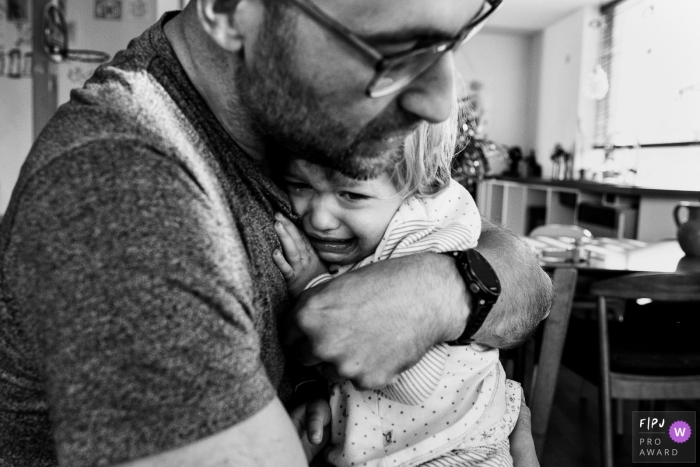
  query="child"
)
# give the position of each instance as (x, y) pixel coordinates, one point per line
(455, 406)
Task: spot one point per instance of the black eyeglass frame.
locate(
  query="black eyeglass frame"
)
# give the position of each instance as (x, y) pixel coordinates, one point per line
(383, 63)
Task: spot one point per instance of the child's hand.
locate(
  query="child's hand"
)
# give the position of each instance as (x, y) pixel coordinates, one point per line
(312, 421)
(300, 262)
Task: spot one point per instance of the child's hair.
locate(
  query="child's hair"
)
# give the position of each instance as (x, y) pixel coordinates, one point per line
(425, 169)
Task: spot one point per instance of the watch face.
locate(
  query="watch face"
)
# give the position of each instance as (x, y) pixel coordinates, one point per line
(483, 271)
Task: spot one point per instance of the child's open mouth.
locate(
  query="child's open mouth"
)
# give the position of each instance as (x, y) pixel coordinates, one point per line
(332, 245)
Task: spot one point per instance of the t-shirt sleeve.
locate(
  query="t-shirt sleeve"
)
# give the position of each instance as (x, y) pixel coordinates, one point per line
(136, 294)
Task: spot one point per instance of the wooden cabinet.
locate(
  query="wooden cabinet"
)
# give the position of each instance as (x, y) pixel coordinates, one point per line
(607, 210)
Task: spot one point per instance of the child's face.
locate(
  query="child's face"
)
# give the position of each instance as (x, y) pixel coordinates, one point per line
(344, 219)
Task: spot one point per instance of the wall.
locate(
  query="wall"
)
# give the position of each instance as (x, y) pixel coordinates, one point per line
(15, 104)
(503, 62)
(85, 32)
(567, 51)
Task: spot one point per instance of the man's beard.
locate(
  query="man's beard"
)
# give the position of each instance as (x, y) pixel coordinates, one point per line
(293, 122)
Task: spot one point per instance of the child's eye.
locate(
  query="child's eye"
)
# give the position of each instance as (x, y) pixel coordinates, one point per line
(353, 197)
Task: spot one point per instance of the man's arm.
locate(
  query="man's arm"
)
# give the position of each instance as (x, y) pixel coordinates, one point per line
(370, 324)
(526, 293)
(142, 350)
(268, 438)
(522, 446)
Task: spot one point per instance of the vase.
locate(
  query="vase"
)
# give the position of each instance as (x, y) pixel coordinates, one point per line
(688, 231)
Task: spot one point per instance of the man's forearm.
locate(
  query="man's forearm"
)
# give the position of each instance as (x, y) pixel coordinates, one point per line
(526, 290)
(417, 301)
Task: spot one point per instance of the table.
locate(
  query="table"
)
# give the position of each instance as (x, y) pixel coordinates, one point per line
(619, 255)
(605, 257)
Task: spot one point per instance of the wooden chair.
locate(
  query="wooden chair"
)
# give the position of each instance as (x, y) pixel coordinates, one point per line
(670, 290)
(540, 380)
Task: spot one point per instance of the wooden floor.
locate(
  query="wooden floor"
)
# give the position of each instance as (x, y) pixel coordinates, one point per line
(573, 437)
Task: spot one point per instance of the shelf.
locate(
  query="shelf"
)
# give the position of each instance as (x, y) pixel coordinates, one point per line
(637, 212)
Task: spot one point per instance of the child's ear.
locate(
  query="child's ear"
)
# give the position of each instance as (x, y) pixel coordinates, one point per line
(228, 22)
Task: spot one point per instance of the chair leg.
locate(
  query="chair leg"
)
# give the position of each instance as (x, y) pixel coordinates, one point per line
(554, 335)
(605, 396)
(619, 405)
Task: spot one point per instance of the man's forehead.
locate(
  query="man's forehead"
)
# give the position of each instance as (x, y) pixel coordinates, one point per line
(382, 17)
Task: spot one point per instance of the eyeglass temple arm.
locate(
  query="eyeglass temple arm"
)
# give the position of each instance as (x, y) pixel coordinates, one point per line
(338, 29)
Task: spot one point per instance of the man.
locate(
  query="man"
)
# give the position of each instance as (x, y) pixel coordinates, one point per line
(139, 300)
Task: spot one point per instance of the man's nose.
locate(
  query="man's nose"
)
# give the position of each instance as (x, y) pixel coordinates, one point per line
(321, 215)
(431, 96)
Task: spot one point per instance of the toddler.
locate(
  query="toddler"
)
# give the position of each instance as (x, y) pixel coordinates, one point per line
(455, 406)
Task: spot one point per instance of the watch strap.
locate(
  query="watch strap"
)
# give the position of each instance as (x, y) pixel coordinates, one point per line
(480, 306)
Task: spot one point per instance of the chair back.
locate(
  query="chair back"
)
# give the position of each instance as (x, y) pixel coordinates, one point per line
(654, 286)
(561, 230)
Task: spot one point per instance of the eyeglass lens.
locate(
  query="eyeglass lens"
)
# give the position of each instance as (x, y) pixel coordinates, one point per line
(393, 74)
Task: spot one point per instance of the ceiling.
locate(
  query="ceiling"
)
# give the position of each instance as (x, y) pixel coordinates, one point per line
(534, 15)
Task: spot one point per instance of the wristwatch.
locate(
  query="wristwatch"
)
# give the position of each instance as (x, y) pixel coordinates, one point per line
(483, 283)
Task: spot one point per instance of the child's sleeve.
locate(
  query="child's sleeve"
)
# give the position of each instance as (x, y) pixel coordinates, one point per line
(416, 384)
(449, 221)
(318, 280)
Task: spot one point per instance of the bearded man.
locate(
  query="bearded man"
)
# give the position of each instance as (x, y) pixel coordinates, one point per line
(138, 297)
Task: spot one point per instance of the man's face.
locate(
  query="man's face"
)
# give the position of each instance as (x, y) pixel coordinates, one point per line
(305, 88)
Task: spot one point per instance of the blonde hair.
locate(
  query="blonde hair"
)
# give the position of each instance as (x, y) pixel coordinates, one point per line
(426, 166)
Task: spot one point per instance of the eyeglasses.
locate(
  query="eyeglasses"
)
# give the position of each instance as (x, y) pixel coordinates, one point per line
(395, 71)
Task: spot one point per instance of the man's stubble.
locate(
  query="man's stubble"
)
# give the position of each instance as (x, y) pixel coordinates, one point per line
(293, 121)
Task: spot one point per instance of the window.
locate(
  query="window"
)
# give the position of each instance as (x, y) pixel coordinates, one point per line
(651, 52)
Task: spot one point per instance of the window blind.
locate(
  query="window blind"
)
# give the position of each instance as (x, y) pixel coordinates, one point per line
(650, 50)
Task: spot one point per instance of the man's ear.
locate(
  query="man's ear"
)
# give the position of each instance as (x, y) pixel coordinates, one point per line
(221, 23)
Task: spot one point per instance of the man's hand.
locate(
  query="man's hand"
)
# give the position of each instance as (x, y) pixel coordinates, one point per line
(522, 446)
(312, 421)
(298, 262)
(371, 324)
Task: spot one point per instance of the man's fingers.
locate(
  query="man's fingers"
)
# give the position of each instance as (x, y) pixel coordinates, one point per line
(282, 264)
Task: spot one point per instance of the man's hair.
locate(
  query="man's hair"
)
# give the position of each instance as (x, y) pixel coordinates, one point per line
(426, 166)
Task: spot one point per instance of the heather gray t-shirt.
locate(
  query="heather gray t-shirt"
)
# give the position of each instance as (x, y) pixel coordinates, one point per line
(138, 298)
